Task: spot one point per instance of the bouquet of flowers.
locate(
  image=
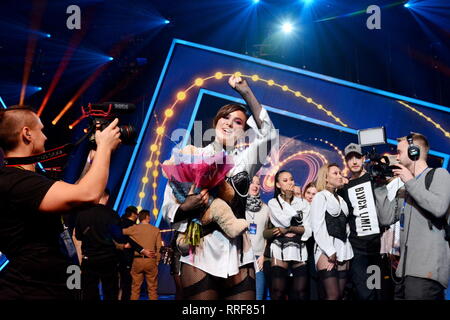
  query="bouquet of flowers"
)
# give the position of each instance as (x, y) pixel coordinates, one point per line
(187, 168)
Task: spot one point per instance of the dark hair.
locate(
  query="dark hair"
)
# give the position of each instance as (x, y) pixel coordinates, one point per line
(229, 108)
(143, 214)
(277, 191)
(10, 125)
(130, 210)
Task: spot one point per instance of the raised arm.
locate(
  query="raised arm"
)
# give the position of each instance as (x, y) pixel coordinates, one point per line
(64, 196)
(436, 200)
(262, 133)
(241, 86)
(388, 211)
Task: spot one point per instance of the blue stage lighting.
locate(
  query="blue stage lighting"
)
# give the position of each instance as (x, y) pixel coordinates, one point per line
(2, 103)
(110, 58)
(166, 21)
(48, 35)
(307, 1)
(287, 27)
(39, 88)
(407, 5)
(255, 1)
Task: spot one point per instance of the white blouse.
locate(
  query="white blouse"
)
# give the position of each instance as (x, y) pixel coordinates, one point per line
(281, 217)
(217, 254)
(326, 244)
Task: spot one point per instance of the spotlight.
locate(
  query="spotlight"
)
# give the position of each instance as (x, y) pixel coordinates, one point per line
(166, 21)
(48, 35)
(110, 58)
(287, 27)
(307, 1)
(39, 88)
(255, 1)
(407, 5)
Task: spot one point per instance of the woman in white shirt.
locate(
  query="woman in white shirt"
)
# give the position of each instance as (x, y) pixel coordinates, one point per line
(290, 217)
(257, 215)
(220, 267)
(330, 227)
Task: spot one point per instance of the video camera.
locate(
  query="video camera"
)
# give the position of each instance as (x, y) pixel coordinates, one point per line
(102, 114)
(379, 166)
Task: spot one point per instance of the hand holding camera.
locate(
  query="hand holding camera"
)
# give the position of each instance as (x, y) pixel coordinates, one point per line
(109, 138)
(402, 172)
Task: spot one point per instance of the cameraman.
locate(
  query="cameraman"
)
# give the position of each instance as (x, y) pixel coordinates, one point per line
(363, 221)
(423, 213)
(31, 207)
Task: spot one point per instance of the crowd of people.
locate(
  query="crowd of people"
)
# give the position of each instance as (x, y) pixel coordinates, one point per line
(338, 238)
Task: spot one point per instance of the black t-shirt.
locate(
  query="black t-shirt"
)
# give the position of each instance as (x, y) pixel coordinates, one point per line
(97, 226)
(363, 220)
(29, 238)
(126, 255)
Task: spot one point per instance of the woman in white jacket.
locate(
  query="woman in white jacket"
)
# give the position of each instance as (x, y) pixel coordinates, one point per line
(290, 217)
(330, 229)
(221, 267)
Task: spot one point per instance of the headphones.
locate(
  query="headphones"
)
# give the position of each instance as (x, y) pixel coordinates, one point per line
(413, 150)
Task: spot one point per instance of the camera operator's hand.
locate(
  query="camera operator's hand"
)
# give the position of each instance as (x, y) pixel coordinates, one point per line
(109, 137)
(195, 201)
(403, 173)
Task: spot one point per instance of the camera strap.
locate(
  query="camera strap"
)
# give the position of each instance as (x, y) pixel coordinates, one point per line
(46, 155)
(42, 157)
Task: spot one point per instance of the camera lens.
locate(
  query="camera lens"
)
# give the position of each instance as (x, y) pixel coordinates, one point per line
(127, 134)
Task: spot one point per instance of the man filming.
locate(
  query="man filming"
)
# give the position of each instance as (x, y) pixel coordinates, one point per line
(31, 207)
(363, 221)
(423, 211)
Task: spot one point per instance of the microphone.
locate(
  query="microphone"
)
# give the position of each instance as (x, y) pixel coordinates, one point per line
(116, 107)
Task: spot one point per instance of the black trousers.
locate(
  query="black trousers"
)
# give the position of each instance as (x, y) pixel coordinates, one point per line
(96, 271)
(414, 288)
(125, 280)
(359, 275)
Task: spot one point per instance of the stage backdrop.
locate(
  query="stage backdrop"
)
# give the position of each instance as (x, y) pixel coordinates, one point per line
(317, 117)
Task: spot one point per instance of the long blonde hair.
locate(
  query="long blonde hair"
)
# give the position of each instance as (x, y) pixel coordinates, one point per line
(321, 181)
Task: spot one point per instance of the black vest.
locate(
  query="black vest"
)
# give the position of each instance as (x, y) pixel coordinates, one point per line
(337, 226)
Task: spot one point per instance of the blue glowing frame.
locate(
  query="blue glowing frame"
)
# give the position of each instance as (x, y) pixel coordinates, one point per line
(273, 65)
(301, 117)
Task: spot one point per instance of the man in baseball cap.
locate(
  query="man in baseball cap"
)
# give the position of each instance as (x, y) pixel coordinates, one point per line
(363, 221)
(353, 148)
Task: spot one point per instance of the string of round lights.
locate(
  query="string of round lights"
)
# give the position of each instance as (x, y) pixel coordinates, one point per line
(153, 160)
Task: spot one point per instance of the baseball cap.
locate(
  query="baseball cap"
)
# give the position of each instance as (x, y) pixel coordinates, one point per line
(353, 147)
